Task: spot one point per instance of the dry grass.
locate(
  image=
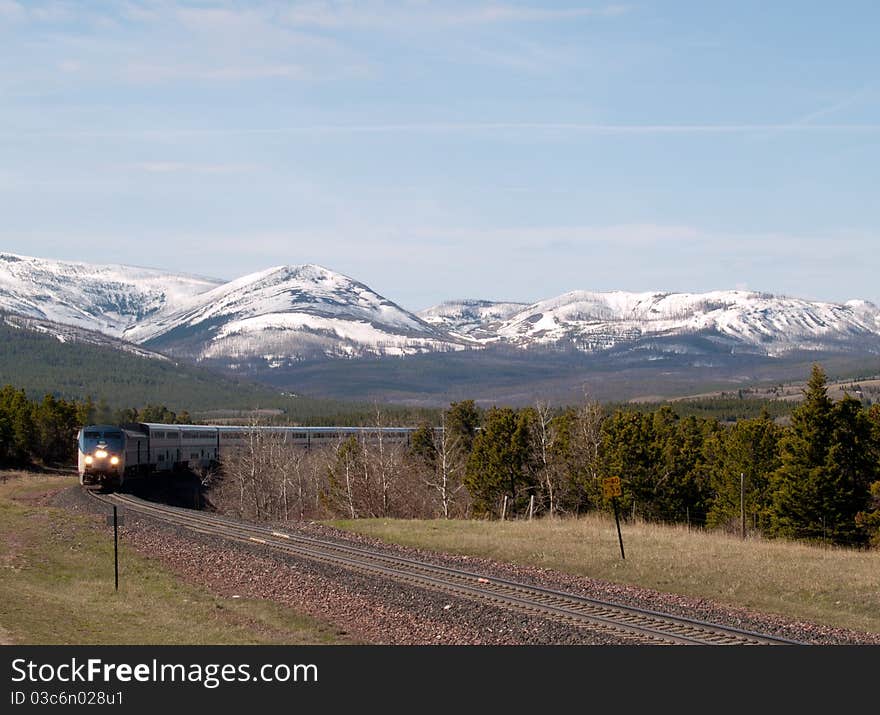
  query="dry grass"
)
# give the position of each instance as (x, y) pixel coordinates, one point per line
(56, 586)
(833, 586)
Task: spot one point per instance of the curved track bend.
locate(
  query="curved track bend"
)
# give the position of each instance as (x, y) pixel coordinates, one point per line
(627, 623)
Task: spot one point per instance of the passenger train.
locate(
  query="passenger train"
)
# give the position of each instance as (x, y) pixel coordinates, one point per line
(108, 454)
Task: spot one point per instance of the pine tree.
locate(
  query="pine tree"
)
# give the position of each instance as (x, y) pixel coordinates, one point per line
(498, 463)
(823, 479)
(462, 420)
(629, 452)
(422, 446)
(851, 469)
(749, 450)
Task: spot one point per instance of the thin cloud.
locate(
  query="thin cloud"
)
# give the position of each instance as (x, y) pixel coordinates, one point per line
(162, 73)
(473, 127)
(838, 106)
(179, 167)
(336, 15)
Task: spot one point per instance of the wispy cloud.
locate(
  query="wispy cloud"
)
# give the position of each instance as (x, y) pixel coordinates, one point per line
(471, 127)
(402, 17)
(845, 103)
(148, 73)
(181, 167)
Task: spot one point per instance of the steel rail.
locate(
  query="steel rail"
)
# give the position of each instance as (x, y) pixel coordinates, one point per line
(629, 622)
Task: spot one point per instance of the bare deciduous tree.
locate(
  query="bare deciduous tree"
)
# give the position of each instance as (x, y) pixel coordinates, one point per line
(444, 475)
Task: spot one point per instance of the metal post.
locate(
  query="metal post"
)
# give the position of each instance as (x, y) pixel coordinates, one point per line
(504, 508)
(617, 521)
(531, 506)
(116, 546)
(742, 503)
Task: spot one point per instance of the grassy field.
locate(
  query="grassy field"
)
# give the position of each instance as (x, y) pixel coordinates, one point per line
(56, 586)
(832, 586)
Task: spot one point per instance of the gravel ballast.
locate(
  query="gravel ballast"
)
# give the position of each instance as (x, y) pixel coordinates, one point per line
(373, 609)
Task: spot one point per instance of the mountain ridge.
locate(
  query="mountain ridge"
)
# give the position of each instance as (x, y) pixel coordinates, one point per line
(286, 314)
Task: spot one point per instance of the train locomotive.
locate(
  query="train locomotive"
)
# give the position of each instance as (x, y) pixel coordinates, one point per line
(110, 454)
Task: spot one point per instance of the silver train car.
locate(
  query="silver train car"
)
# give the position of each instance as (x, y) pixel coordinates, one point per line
(108, 454)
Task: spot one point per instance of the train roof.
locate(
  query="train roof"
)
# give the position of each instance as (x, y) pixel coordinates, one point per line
(121, 429)
(239, 428)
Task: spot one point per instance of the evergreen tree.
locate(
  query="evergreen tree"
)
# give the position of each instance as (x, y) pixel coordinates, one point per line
(820, 485)
(498, 462)
(462, 420)
(422, 446)
(569, 465)
(57, 423)
(629, 452)
(748, 450)
(7, 441)
(685, 491)
(851, 469)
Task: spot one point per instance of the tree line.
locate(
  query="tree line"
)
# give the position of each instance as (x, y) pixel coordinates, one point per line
(43, 432)
(816, 478)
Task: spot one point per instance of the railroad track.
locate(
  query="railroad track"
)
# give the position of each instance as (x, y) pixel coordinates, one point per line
(627, 623)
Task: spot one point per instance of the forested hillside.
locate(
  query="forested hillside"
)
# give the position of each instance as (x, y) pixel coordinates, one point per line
(40, 364)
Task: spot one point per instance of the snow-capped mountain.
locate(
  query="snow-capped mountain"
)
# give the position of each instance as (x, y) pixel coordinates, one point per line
(289, 313)
(108, 298)
(761, 323)
(286, 314)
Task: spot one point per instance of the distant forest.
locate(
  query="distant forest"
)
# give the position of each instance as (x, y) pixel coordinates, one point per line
(114, 380)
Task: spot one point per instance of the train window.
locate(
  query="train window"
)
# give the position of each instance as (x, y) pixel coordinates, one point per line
(92, 435)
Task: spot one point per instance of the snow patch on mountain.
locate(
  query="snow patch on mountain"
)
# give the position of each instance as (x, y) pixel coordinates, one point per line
(107, 298)
(293, 311)
(773, 324)
(342, 338)
(471, 319)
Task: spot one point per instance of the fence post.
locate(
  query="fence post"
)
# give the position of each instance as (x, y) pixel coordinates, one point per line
(504, 508)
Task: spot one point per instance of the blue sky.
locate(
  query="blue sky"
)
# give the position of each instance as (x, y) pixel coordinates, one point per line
(437, 150)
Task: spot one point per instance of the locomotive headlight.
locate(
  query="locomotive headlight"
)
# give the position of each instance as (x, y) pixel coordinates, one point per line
(100, 454)
(89, 459)
(114, 461)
